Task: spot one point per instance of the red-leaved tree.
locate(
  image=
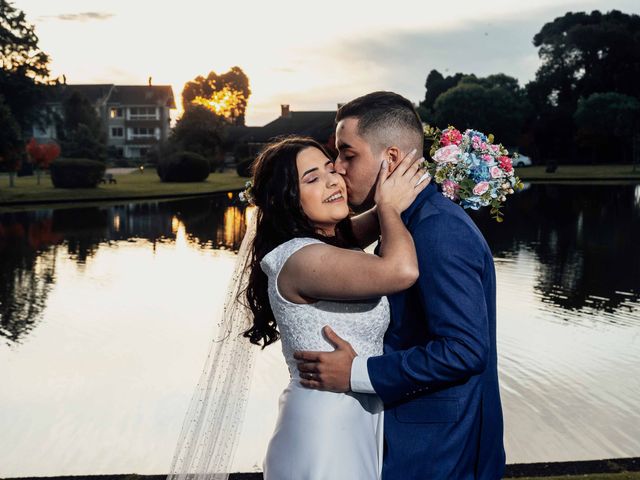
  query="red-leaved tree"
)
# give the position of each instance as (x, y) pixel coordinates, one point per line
(42, 154)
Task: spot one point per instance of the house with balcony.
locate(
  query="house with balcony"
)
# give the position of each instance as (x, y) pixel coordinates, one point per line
(135, 117)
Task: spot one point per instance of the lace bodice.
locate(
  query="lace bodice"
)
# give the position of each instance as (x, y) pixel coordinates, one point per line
(362, 323)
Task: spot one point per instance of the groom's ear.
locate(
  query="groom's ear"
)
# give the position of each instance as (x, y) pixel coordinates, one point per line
(393, 156)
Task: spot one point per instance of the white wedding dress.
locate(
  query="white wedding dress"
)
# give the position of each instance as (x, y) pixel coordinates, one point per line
(324, 435)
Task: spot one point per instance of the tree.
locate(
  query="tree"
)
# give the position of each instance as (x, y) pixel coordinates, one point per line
(42, 154)
(23, 66)
(607, 124)
(588, 53)
(581, 54)
(80, 129)
(494, 104)
(201, 131)
(225, 95)
(11, 144)
(436, 85)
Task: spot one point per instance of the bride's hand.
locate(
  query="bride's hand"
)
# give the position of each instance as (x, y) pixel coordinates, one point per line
(401, 187)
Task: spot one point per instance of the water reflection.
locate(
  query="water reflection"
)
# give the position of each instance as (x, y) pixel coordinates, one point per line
(585, 242)
(30, 243)
(99, 301)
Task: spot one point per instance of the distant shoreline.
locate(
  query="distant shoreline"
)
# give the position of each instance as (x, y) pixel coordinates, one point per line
(581, 469)
(579, 173)
(129, 187)
(140, 187)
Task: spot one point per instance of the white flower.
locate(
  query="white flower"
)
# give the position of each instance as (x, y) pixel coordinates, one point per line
(448, 154)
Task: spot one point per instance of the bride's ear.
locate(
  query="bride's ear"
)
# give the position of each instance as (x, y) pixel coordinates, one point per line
(392, 155)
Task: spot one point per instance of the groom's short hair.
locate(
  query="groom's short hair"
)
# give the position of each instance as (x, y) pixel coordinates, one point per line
(385, 119)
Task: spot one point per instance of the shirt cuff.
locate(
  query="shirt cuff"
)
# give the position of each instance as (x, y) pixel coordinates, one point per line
(360, 382)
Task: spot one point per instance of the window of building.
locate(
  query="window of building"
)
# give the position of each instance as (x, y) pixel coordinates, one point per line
(143, 113)
(137, 152)
(143, 132)
(117, 132)
(40, 131)
(116, 113)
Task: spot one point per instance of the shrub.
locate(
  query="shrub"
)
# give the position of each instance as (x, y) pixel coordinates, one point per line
(76, 172)
(244, 167)
(183, 167)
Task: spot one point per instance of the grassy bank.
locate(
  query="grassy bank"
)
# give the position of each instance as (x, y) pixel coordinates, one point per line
(129, 186)
(258, 476)
(579, 172)
(597, 476)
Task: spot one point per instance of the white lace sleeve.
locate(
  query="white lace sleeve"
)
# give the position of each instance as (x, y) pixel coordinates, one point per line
(273, 261)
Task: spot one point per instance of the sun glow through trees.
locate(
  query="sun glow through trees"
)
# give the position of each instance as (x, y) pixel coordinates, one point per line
(227, 102)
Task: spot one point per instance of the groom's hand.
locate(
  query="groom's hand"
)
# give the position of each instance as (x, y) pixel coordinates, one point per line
(329, 371)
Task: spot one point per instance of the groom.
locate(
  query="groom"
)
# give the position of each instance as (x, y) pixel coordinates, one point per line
(438, 376)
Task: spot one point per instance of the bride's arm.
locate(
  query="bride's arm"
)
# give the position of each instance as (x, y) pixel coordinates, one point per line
(323, 271)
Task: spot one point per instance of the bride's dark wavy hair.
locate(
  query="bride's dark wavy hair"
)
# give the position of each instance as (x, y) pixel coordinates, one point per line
(280, 218)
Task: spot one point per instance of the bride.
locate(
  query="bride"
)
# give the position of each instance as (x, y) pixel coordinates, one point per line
(304, 275)
(306, 269)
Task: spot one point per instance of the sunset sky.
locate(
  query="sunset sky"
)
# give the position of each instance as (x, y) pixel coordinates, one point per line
(311, 55)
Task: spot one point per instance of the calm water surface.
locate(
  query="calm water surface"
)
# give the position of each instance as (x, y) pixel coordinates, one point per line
(106, 313)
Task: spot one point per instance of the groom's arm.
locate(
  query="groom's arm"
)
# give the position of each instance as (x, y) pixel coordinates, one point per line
(451, 263)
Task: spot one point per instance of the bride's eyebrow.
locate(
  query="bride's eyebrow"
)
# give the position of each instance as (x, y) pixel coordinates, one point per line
(314, 169)
(308, 171)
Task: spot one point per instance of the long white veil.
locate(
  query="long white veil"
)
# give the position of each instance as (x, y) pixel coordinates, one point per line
(213, 422)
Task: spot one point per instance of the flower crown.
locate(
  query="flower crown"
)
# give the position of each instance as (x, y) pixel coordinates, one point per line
(246, 196)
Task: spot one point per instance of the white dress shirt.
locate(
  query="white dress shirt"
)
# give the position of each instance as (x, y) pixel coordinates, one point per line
(360, 381)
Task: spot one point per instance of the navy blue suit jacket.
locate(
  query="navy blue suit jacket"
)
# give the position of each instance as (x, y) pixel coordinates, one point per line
(438, 376)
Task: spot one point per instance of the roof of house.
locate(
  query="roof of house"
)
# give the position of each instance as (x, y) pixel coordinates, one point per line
(94, 93)
(318, 125)
(117, 94)
(143, 95)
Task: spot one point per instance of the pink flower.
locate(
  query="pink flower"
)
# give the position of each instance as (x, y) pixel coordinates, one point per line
(495, 172)
(487, 158)
(481, 188)
(450, 189)
(448, 154)
(505, 164)
(450, 136)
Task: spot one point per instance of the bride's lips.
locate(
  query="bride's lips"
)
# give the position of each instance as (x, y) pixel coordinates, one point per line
(337, 192)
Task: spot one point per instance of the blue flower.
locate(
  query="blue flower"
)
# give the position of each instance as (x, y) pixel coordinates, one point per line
(475, 133)
(480, 172)
(472, 202)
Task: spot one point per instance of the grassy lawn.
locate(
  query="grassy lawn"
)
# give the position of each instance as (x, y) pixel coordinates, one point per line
(580, 172)
(131, 185)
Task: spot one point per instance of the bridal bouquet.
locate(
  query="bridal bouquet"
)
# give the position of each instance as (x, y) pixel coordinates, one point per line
(471, 169)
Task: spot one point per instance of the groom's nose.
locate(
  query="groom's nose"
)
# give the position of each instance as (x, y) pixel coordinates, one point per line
(339, 166)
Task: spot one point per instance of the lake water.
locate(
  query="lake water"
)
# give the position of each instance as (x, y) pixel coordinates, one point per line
(106, 314)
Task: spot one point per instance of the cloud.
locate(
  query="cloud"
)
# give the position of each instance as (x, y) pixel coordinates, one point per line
(401, 60)
(80, 17)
